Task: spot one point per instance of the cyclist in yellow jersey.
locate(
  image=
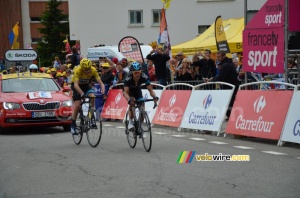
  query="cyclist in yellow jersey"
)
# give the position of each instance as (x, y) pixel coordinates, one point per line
(81, 87)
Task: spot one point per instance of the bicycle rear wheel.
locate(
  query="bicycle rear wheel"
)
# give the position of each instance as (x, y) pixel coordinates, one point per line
(77, 138)
(145, 127)
(131, 136)
(94, 133)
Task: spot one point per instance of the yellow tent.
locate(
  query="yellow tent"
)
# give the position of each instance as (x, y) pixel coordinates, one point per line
(234, 34)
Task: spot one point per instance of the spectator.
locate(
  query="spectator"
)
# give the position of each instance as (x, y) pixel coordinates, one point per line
(151, 70)
(227, 74)
(184, 73)
(197, 74)
(107, 77)
(77, 46)
(160, 59)
(206, 64)
(56, 63)
(69, 77)
(179, 57)
(121, 74)
(67, 47)
(75, 58)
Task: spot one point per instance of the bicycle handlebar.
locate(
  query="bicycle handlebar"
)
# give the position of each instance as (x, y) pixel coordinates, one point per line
(139, 102)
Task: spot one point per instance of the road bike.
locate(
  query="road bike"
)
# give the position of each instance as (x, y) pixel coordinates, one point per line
(142, 126)
(88, 125)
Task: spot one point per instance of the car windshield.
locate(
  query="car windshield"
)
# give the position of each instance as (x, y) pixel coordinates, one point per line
(29, 85)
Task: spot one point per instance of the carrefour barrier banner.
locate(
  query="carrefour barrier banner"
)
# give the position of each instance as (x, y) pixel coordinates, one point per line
(263, 50)
(259, 113)
(149, 105)
(291, 130)
(206, 109)
(171, 107)
(115, 105)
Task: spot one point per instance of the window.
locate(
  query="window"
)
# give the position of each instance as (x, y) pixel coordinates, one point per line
(202, 28)
(135, 17)
(156, 16)
(36, 40)
(35, 18)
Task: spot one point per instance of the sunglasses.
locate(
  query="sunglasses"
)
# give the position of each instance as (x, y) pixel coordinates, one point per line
(87, 70)
(136, 72)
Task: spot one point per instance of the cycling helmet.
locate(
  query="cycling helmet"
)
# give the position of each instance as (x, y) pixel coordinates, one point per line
(135, 66)
(33, 68)
(85, 64)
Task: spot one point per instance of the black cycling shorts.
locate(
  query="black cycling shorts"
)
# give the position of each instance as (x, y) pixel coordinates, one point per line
(85, 88)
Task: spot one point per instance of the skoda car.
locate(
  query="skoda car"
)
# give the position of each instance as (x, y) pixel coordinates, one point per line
(33, 99)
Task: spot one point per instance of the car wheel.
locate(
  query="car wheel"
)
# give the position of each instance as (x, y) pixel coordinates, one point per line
(67, 128)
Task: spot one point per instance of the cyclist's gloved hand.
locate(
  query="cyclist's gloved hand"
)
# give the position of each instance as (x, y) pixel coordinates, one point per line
(82, 96)
(131, 100)
(155, 98)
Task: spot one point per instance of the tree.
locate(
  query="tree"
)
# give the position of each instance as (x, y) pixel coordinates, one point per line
(54, 31)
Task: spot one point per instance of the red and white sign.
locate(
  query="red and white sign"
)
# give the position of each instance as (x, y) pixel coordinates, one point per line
(294, 15)
(206, 109)
(291, 130)
(263, 39)
(149, 105)
(259, 113)
(171, 107)
(115, 105)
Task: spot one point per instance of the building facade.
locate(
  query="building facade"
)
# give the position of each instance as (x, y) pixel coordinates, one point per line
(106, 22)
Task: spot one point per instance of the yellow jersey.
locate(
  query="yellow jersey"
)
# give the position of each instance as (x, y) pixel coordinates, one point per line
(84, 78)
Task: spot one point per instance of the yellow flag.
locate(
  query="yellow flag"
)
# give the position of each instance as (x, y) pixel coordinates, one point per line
(14, 37)
(166, 3)
(220, 35)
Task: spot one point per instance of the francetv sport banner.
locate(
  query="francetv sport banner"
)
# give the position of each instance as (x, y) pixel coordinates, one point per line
(171, 107)
(259, 113)
(263, 39)
(206, 109)
(291, 130)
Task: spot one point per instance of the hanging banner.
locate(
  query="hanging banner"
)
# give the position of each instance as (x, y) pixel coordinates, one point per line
(130, 48)
(263, 50)
(270, 15)
(291, 130)
(220, 36)
(258, 113)
(263, 39)
(294, 16)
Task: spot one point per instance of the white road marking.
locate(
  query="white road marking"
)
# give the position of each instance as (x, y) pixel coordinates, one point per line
(217, 142)
(274, 153)
(243, 147)
(295, 157)
(120, 127)
(197, 139)
(178, 136)
(107, 125)
(159, 133)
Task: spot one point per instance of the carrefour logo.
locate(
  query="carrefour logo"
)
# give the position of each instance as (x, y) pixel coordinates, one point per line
(259, 104)
(207, 101)
(172, 100)
(118, 98)
(296, 130)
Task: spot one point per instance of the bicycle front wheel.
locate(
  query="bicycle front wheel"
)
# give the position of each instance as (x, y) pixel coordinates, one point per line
(131, 136)
(94, 133)
(145, 127)
(78, 137)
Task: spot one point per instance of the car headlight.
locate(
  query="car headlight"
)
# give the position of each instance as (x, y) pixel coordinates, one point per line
(67, 103)
(11, 105)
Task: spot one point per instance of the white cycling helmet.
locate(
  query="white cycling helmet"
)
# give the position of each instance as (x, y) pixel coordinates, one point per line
(33, 68)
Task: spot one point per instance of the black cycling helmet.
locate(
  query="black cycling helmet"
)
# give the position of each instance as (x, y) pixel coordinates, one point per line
(135, 66)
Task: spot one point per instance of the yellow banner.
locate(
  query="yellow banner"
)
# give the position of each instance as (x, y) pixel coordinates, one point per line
(220, 35)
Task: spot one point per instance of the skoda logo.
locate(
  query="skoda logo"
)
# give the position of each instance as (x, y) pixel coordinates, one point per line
(172, 100)
(118, 98)
(259, 104)
(10, 55)
(42, 101)
(207, 101)
(296, 130)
